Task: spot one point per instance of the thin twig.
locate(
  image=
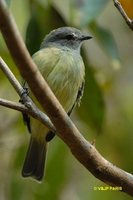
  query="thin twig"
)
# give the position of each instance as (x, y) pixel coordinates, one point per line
(29, 107)
(13, 105)
(66, 130)
(22, 108)
(123, 13)
(11, 77)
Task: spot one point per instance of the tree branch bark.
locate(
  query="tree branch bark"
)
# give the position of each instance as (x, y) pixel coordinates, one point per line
(123, 13)
(80, 148)
(36, 113)
(13, 105)
(29, 107)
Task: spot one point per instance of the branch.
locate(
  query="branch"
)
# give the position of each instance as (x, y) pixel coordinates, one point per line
(29, 107)
(80, 148)
(13, 105)
(22, 108)
(123, 13)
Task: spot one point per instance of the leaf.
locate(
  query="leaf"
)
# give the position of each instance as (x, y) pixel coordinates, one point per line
(107, 42)
(89, 10)
(92, 106)
(33, 35)
(41, 23)
(8, 2)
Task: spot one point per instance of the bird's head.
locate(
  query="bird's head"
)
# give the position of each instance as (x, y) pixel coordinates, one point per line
(65, 37)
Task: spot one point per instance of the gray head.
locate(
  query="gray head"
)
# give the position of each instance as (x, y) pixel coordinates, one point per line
(65, 37)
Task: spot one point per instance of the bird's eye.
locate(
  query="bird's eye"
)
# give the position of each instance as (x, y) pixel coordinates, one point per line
(70, 36)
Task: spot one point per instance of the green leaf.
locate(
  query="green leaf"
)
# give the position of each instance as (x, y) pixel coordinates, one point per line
(88, 10)
(92, 107)
(41, 23)
(8, 2)
(33, 35)
(107, 42)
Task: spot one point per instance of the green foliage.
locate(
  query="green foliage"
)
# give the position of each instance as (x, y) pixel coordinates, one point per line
(37, 27)
(88, 11)
(92, 106)
(107, 42)
(8, 2)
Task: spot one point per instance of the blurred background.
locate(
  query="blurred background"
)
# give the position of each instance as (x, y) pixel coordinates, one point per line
(104, 116)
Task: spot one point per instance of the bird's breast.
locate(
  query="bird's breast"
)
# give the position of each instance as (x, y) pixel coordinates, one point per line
(64, 73)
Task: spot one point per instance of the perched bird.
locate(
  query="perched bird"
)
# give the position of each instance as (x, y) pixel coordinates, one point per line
(61, 65)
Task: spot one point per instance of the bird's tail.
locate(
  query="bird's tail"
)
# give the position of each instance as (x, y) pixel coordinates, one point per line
(35, 159)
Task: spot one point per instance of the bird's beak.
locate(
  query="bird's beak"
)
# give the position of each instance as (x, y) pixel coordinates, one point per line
(85, 37)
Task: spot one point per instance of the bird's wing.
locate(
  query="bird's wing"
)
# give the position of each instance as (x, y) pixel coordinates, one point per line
(79, 97)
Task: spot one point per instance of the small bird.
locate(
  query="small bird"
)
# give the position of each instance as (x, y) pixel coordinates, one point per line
(61, 65)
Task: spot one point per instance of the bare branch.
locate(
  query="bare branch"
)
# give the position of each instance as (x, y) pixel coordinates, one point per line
(20, 107)
(80, 148)
(123, 13)
(11, 77)
(13, 105)
(29, 107)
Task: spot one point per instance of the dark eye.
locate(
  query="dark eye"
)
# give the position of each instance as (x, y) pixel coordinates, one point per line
(70, 36)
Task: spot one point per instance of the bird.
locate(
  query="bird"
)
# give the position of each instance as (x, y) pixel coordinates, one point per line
(62, 67)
